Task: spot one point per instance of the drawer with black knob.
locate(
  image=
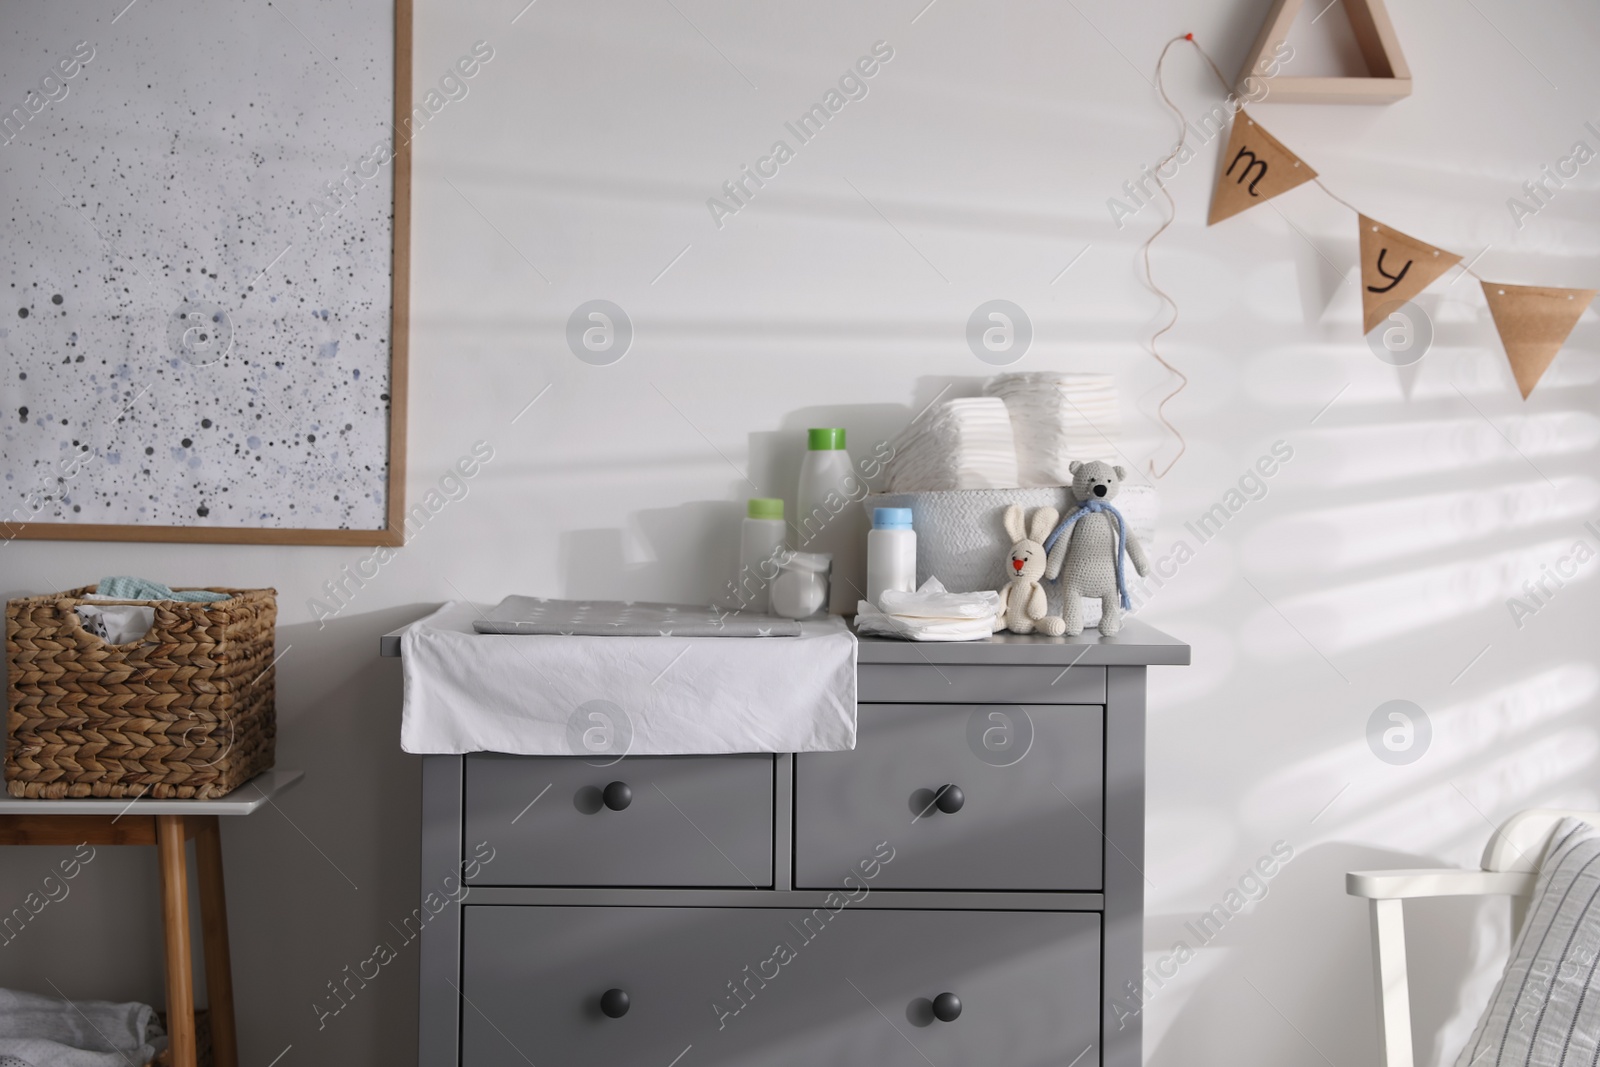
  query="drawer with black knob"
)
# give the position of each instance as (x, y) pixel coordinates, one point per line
(642, 821)
(970, 796)
(778, 987)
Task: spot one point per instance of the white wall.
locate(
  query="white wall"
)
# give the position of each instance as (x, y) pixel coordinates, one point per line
(978, 166)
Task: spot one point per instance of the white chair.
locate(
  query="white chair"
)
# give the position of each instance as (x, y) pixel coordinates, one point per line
(1510, 868)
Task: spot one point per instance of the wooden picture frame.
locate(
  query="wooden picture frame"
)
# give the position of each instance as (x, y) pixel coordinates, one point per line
(1389, 78)
(392, 533)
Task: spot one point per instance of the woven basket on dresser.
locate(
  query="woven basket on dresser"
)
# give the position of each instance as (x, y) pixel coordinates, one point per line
(186, 711)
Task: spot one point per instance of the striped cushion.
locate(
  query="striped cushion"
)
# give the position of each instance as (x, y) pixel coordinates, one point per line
(1546, 1010)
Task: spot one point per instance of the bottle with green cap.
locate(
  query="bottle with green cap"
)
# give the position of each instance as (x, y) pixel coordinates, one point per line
(762, 547)
(831, 519)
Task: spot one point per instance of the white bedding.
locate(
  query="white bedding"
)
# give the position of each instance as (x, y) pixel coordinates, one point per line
(606, 697)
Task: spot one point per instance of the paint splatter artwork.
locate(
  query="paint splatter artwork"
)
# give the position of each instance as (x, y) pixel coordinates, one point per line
(195, 269)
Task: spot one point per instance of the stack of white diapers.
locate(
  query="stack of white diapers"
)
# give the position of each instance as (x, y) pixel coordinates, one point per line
(1057, 418)
(962, 444)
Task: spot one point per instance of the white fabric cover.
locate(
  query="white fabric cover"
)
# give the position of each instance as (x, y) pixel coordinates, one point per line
(1546, 1010)
(535, 694)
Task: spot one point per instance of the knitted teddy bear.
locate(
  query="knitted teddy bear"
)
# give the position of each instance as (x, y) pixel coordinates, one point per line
(1022, 599)
(1091, 542)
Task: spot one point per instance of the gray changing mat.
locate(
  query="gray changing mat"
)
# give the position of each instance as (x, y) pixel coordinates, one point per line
(618, 618)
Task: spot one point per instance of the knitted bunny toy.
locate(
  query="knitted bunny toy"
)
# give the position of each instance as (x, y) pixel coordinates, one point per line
(1091, 542)
(1022, 599)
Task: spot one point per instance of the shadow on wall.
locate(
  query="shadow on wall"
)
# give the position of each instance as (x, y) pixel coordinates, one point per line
(1290, 959)
(316, 879)
(689, 552)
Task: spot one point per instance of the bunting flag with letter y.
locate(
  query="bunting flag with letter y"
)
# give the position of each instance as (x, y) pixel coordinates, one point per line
(1395, 268)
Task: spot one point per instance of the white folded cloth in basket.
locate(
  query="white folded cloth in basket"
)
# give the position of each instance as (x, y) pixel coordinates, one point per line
(116, 624)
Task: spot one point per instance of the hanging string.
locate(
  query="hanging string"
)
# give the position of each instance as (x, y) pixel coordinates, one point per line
(1336, 196)
(1149, 276)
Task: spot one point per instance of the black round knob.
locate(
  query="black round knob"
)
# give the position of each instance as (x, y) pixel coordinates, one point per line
(951, 799)
(614, 1002)
(617, 796)
(947, 1007)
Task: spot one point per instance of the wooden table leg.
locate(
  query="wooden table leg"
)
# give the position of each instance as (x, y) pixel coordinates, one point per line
(175, 919)
(214, 927)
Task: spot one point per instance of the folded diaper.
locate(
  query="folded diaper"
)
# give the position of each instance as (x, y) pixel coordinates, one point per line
(933, 602)
(931, 614)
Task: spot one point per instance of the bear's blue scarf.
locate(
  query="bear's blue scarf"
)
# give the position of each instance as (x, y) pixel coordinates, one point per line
(1088, 507)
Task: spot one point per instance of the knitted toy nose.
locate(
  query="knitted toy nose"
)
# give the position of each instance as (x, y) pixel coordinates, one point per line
(1017, 563)
(1099, 490)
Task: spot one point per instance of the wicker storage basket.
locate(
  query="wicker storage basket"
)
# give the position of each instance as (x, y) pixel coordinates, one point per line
(186, 711)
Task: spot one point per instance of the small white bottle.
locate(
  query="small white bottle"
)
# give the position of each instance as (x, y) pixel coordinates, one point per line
(891, 554)
(762, 549)
(830, 518)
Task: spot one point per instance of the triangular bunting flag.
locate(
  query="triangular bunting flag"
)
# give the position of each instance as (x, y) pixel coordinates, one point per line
(1395, 268)
(1255, 168)
(1534, 322)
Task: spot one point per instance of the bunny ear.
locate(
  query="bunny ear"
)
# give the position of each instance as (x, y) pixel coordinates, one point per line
(1013, 521)
(1044, 520)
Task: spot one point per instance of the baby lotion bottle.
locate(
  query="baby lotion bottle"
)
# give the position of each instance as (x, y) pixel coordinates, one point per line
(891, 554)
(830, 518)
(761, 553)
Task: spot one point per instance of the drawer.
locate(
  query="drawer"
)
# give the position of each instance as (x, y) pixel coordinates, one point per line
(692, 821)
(924, 683)
(846, 988)
(1031, 777)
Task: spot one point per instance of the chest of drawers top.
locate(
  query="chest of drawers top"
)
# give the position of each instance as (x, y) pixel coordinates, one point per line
(1138, 645)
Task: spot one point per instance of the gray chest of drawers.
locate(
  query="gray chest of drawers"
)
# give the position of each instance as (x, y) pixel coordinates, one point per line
(964, 889)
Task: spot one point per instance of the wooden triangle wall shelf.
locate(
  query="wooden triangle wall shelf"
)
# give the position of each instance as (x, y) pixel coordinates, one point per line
(1389, 78)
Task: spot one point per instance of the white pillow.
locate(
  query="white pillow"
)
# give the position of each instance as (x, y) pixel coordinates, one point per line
(1546, 1010)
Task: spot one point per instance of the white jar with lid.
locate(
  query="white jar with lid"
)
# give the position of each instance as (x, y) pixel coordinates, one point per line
(801, 588)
